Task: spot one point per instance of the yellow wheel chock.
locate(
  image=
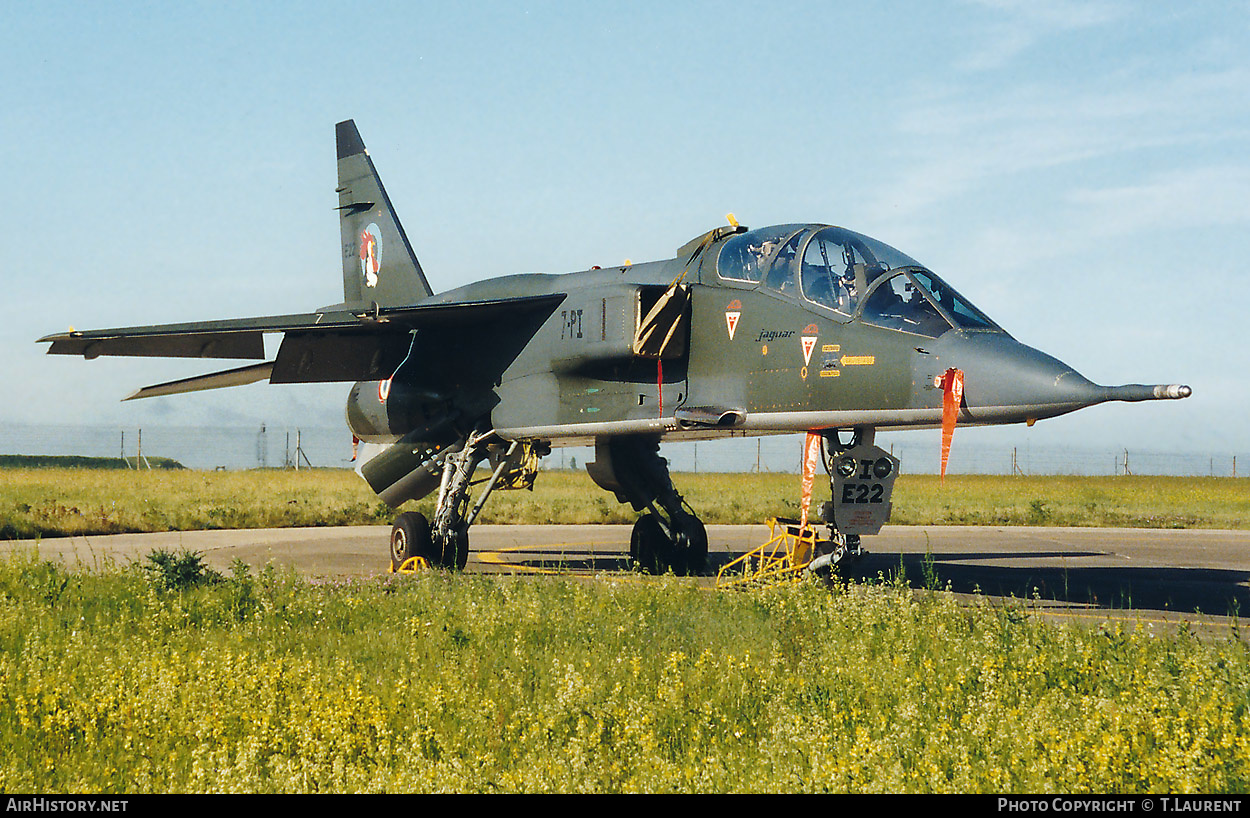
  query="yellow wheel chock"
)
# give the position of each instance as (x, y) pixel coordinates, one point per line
(411, 566)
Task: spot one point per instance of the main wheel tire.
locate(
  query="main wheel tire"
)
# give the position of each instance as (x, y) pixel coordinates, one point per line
(410, 537)
(456, 551)
(692, 544)
(648, 544)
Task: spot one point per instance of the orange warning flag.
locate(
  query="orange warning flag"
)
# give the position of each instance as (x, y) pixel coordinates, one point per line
(811, 456)
(952, 397)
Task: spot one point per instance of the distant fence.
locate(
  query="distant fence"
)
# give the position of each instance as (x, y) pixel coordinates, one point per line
(197, 447)
(331, 447)
(782, 454)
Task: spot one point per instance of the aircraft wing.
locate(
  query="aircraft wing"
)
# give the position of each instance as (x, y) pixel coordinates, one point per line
(237, 338)
(325, 346)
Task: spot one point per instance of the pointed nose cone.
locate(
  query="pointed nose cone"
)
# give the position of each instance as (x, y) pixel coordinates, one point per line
(1006, 381)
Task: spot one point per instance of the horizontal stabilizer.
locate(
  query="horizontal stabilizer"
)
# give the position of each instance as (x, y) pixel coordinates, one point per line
(216, 380)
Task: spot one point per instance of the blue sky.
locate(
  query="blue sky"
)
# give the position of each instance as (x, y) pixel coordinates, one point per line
(1081, 171)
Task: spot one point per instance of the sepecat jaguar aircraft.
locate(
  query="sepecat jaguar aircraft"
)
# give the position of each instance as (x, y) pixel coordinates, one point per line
(792, 328)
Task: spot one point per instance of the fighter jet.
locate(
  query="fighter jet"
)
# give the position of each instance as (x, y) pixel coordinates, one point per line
(791, 328)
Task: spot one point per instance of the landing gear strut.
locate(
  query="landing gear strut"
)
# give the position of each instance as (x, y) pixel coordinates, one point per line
(861, 480)
(668, 536)
(444, 540)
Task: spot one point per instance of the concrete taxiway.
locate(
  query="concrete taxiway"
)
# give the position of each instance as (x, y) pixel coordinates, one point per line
(1173, 573)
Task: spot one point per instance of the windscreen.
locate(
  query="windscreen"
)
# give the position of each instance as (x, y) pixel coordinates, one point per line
(898, 303)
(915, 300)
(952, 303)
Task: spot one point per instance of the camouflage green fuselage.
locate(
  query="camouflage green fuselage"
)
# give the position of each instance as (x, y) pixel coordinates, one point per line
(785, 366)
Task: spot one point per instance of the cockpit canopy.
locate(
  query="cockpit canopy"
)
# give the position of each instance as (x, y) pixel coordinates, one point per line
(851, 274)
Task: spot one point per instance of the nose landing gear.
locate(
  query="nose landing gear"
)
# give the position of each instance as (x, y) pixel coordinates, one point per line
(861, 482)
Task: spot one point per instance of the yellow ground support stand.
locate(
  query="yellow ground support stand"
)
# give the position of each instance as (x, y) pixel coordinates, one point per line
(785, 556)
(412, 565)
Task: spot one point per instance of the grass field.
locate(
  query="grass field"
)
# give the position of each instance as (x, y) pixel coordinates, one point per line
(112, 683)
(58, 502)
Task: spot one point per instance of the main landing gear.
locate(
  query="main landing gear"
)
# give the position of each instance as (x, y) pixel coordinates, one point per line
(668, 536)
(444, 540)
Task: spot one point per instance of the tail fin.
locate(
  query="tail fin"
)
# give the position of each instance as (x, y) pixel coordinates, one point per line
(378, 263)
